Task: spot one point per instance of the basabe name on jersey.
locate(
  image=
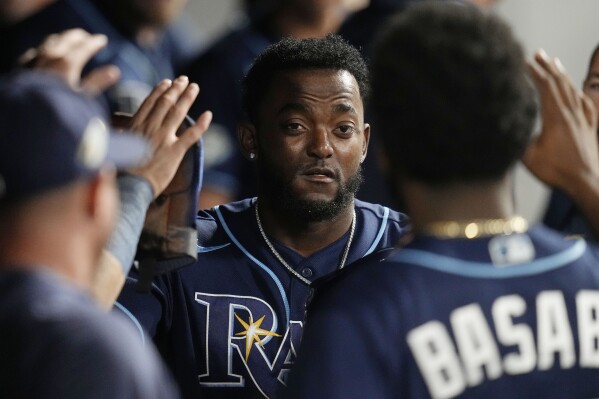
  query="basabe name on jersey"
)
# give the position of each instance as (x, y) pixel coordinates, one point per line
(449, 365)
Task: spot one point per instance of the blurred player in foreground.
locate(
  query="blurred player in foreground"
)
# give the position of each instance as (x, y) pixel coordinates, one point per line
(65, 55)
(57, 204)
(477, 304)
(57, 207)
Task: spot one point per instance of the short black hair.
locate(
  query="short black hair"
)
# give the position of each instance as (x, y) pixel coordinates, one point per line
(290, 54)
(451, 95)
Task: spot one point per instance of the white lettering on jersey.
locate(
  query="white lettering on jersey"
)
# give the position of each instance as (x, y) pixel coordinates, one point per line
(587, 309)
(520, 335)
(437, 359)
(554, 334)
(447, 369)
(476, 344)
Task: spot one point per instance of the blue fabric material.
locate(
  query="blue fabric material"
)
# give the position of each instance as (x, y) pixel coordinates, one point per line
(73, 349)
(199, 315)
(362, 326)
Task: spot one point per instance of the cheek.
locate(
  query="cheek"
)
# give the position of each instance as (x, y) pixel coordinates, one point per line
(350, 158)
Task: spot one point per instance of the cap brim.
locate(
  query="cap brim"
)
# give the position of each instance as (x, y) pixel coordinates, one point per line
(127, 149)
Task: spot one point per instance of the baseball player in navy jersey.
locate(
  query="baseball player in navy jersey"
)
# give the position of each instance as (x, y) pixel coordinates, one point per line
(57, 213)
(230, 324)
(477, 304)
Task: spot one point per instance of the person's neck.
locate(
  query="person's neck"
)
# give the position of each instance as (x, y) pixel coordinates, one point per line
(292, 22)
(458, 202)
(64, 254)
(304, 237)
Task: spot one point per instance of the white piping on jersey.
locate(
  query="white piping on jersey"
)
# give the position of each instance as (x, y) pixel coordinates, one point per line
(446, 264)
(133, 319)
(202, 250)
(380, 233)
(257, 262)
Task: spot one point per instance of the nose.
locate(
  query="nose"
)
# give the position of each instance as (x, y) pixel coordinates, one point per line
(320, 145)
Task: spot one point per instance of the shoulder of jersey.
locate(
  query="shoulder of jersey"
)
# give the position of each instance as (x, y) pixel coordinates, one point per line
(379, 212)
(209, 225)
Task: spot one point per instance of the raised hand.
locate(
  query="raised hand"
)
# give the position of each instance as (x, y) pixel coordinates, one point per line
(158, 119)
(565, 154)
(566, 150)
(66, 53)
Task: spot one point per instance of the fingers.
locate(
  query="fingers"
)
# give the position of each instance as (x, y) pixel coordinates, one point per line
(567, 145)
(66, 54)
(100, 79)
(179, 110)
(194, 133)
(169, 100)
(574, 95)
(167, 106)
(552, 74)
(148, 104)
(545, 76)
(158, 119)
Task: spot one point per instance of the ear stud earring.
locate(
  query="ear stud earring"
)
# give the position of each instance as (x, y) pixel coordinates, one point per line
(252, 155)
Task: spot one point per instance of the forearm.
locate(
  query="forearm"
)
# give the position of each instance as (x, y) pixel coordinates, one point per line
(117, 258)
(136, 196)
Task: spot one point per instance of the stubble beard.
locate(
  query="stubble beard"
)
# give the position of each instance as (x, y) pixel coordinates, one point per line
(282, 195)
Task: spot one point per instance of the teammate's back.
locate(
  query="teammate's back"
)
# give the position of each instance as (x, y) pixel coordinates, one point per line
(476, 304)
(471, 326)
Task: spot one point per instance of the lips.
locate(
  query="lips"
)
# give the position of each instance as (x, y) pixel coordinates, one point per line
(320, 174)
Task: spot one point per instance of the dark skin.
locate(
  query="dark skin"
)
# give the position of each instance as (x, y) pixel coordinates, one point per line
(310, 129)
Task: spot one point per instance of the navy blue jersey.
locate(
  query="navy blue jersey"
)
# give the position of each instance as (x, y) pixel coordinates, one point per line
(229, 325)
(56, 343)
(511, 316)
(564, 216)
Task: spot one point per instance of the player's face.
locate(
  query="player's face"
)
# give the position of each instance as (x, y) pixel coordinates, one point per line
(311, 140)
(591, 83)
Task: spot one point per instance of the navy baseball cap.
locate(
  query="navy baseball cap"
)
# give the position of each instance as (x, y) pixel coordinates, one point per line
(51, 135)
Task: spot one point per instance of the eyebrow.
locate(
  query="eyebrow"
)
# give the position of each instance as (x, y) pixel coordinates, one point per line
(299, 107)
(344, 109)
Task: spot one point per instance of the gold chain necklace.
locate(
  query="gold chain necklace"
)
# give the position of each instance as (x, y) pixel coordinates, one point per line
(287, 266)
(475, 228)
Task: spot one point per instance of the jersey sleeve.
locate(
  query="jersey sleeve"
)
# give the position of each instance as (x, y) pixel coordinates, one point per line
(149, 312)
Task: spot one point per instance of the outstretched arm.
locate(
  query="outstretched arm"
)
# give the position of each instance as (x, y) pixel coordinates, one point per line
(158, 119)
(65, 54)
(565, 155)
